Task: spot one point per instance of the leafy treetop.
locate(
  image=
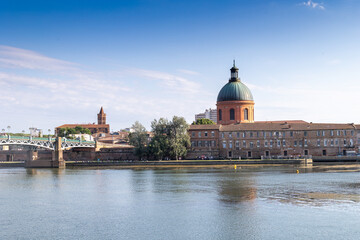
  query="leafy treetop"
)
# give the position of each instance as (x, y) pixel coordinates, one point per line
(203, 121)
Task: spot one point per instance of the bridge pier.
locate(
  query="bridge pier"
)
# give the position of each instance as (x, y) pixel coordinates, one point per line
(57, 155)
(56, 160)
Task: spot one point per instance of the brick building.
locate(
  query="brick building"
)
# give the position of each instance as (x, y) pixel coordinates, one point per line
(273, 139)
(238, 135)
(100, 127)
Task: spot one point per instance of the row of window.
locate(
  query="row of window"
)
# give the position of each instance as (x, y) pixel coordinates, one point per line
(203, 143)
(267, 153)
(232, 114)
(206, 134)
(284, 134)
(279, 143)
(265, 134)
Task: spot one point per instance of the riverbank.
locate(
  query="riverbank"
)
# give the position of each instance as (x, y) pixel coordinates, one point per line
(170, 163)
(12, 164)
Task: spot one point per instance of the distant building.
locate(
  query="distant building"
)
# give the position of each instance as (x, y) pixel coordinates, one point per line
(35, 132)
(82, 136)
(101, 127)
(209, 114)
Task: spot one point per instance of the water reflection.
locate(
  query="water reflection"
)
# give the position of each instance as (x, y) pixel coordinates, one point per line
(36, 178)
(38, 171)
(237, 189)
(249, 203)
(315, 198)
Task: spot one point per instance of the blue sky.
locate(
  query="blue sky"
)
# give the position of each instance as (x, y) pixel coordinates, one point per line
(60, 61)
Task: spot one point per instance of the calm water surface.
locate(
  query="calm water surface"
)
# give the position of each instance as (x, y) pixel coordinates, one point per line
(263, 202)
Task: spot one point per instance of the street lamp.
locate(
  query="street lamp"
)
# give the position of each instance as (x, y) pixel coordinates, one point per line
(9, 127)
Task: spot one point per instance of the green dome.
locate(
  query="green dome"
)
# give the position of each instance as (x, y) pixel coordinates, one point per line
(235, 91)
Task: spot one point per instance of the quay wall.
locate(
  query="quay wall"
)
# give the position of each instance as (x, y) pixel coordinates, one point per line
(114, 154)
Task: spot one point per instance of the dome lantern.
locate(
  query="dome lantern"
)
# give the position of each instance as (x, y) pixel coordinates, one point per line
(234, 73)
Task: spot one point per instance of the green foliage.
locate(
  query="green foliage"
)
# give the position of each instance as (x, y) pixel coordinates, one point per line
(139, 139)
(66, 132)
(179, 138)
(19, 134)
(203, 121)
(171, 139)
(86, 131)
(159, 147)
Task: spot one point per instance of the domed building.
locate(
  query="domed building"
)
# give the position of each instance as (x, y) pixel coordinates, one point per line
(235, 103)
(236, 134)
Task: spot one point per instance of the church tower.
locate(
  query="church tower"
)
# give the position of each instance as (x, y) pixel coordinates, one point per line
(101, 117)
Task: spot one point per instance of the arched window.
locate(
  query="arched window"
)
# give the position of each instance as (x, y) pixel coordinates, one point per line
(232, 114)
(246, 114)
(220, 115)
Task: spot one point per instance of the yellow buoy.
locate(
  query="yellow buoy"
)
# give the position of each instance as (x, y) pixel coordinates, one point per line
(234, 166)
(297, 171)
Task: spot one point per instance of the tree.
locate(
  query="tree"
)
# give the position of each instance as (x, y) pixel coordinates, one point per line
(170, 138)
(203, 121)
(86, 131)
(78, 129)
(70, 131)
(139, 139)
(179, 137)
(61, 132)
(66, 132)
(159, 147)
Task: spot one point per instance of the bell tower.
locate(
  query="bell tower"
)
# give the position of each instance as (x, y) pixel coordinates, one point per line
(101, 117)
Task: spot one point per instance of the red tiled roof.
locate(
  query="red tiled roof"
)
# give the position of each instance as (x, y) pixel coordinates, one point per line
(84, 125)
(296, 125)
(282, 121)
(205, 127)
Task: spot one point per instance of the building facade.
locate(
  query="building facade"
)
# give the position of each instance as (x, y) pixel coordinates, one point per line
(209, 114)
(238, 135)
(277, 139)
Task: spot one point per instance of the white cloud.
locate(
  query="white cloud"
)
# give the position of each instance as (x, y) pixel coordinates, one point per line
(172, 82)
(189, 72)
(313, 4)
(11, 79)
(20, 58)
(334, 62)
(35, 85)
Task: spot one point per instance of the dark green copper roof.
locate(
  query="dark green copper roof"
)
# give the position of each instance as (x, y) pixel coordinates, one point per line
(235, 91)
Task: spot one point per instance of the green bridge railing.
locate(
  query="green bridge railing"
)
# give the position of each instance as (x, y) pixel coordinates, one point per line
(43, 139)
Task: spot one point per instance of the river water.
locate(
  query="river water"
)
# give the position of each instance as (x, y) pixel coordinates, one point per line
(250, 202)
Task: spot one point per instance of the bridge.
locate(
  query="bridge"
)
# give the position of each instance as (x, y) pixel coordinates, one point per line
(54, 145)
(47, 143)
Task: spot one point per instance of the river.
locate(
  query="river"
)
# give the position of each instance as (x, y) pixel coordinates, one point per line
(250, 202)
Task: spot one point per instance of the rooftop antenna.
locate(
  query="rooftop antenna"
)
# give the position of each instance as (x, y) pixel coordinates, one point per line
(234, 62)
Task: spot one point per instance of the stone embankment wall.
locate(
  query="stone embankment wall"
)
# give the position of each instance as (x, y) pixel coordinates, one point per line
(74, 155)
(118, 154)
